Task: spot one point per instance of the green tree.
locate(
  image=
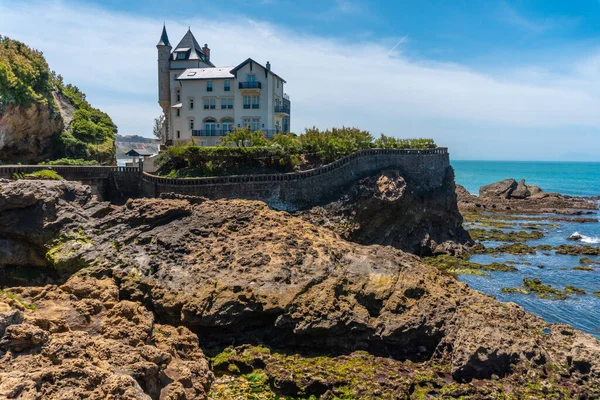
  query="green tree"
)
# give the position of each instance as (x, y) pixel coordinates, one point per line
(24, 74)
(244, 137)
(157, 129)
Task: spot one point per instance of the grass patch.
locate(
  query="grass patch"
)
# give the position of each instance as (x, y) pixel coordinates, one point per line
(501, 236)
(534, 285)
(70, 161)
(515, 249)
(583, 268)
(454, 265)
(543, 291)
(19, 300)
(44, 174)
(515, 290)
(577, 250)
(574, 289)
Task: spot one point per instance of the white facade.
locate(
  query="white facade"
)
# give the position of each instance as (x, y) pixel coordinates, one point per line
(202, 102)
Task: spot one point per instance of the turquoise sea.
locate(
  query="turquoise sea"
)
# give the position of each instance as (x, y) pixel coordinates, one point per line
(581, 179)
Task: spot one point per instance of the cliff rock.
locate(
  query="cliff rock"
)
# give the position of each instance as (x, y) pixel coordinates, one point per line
(387, 210)
(26, 132)
(42, 118)
(237, 272)
(510, 196)
(502, 189)
(81, 342)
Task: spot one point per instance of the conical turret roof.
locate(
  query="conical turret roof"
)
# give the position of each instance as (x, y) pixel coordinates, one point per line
(164, 38)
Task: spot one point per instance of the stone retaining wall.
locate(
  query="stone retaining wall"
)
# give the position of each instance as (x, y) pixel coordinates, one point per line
(112, 183)
(424, 169)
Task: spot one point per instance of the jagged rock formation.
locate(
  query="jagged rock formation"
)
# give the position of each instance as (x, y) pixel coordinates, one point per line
(43, 119)
(237, 272)
(81, 342)
(509, 189)
(508, 195)
(26, 132)
(386, 210)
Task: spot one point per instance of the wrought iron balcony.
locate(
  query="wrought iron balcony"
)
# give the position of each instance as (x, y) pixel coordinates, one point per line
(221, 132)
(209, 132)
(282, 110)
(250, 85)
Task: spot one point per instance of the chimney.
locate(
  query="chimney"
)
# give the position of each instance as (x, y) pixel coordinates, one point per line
(268, 65)
(206, 51)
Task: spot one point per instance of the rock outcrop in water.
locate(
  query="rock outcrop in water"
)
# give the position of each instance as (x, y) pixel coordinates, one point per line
(508, 195)
(236, 272)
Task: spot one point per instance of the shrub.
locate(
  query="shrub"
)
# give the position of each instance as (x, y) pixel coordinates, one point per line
(244, 148)
(26, 78)
(335, 143)
(70, 161)
(24, 74)
(244, 137)
(44, 174)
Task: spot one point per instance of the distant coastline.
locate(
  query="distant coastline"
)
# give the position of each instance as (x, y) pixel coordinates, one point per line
(134, 142)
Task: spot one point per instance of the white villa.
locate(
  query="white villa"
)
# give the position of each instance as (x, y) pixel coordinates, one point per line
(201, 102)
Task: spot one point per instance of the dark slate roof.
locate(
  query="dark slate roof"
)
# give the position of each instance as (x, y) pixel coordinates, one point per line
(164, 38)
(190, 44)
(133, 153)
(236, 69)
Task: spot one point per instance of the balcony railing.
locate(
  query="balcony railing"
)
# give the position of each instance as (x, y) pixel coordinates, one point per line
(220, 132)
(209, 132)
(282, 110)
(250, 85)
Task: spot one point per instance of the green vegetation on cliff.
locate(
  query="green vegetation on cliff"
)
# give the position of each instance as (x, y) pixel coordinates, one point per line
(245, 151)
(91, 135)
(27, 81)
(456, 265)
(24, 75)
(44, 174)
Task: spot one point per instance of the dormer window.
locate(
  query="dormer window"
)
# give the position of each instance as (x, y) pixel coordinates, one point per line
(181, 55)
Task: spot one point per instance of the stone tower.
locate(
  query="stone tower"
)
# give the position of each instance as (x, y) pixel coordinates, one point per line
(164, 88)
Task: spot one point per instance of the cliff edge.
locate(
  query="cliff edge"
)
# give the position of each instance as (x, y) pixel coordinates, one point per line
(44, 119)
(387, 209)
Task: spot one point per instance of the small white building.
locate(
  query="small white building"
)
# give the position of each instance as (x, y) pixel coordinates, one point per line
(201, 102)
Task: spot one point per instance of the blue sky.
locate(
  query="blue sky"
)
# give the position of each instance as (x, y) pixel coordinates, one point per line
(512, 80)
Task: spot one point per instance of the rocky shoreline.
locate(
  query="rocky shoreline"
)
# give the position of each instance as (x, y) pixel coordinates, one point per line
(188, 298)
(508, 196)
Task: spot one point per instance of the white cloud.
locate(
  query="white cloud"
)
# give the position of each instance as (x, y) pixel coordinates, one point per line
(513, 17)
(112, 57)
(347, 6)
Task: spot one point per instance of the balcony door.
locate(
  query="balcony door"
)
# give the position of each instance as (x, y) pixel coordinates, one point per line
(210, 127)
(227, 126)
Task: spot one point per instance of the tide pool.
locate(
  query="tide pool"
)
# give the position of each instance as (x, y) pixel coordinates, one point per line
(581, 179)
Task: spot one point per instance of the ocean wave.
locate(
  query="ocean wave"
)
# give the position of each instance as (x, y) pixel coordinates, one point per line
(585, 239)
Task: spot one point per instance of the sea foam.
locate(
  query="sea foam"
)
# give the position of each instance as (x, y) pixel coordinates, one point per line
(584, 239)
